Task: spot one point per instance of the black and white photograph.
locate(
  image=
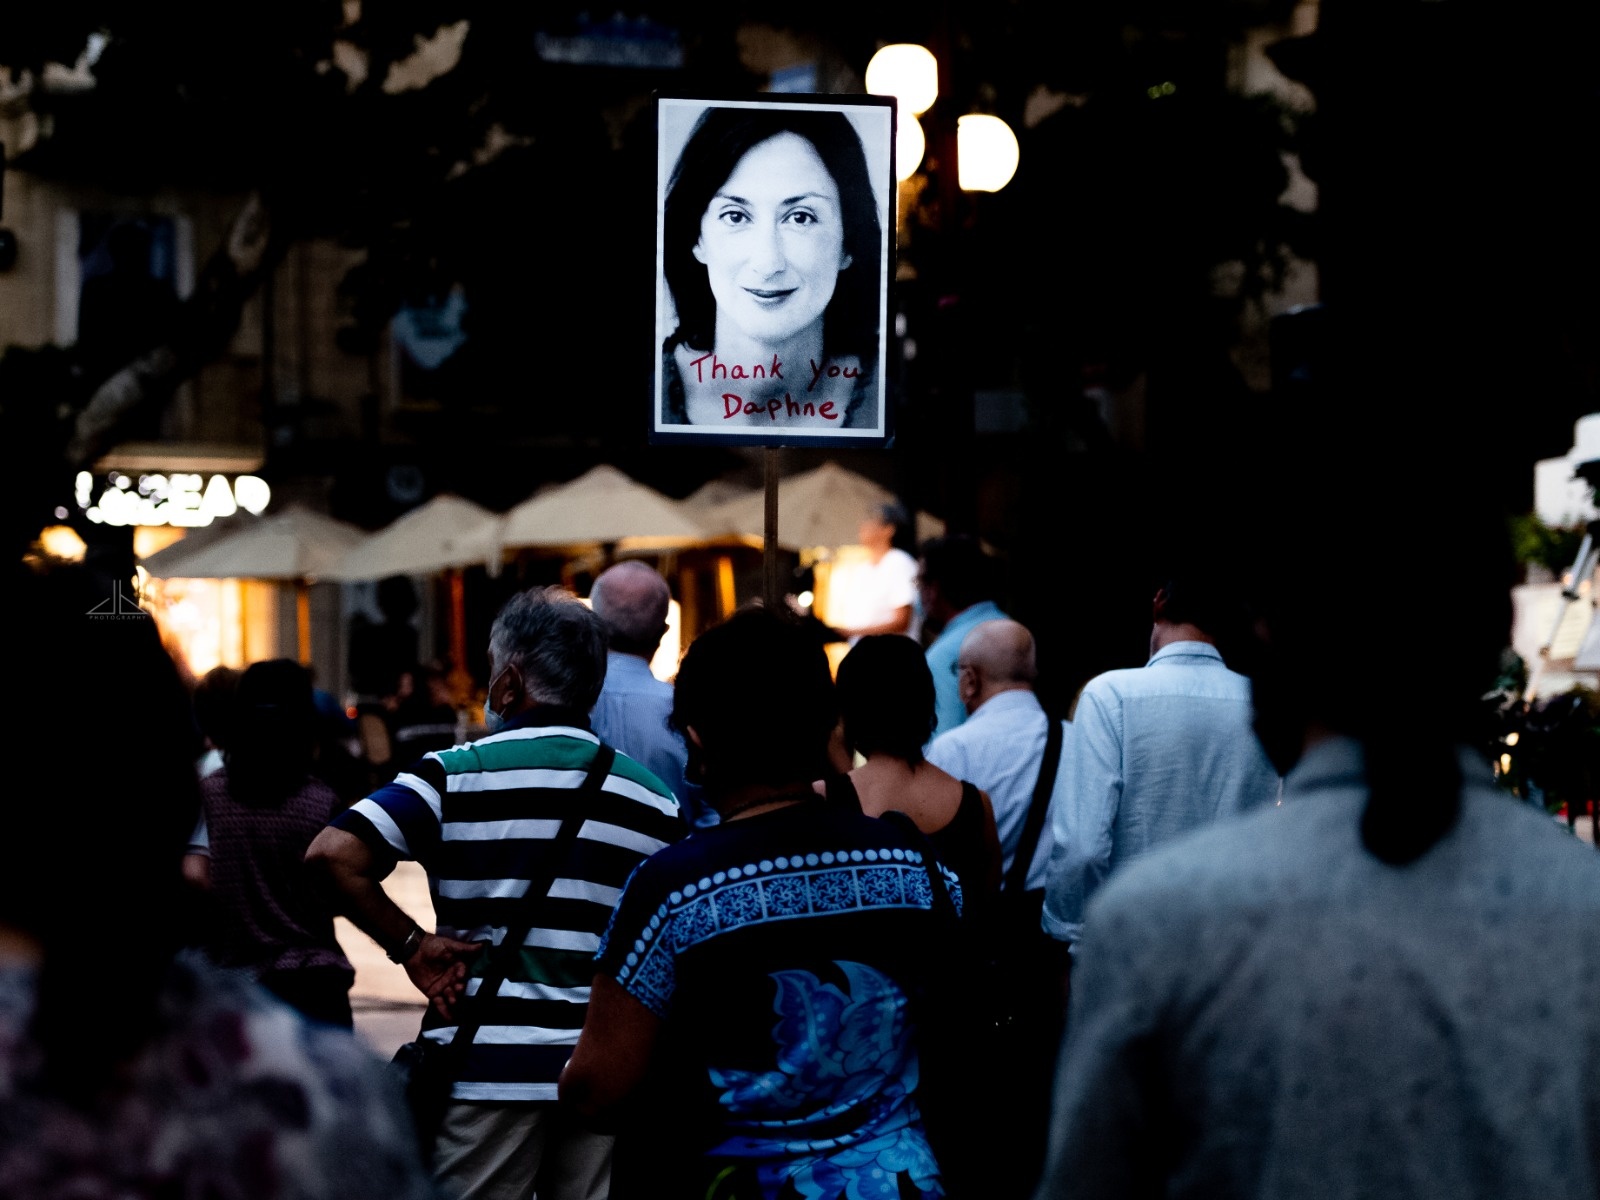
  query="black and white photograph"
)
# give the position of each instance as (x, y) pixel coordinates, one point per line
(773, 250)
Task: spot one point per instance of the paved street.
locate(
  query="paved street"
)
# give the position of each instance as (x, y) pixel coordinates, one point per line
(387, 1008)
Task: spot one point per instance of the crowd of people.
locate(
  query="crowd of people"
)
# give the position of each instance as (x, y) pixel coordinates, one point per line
(772, 931)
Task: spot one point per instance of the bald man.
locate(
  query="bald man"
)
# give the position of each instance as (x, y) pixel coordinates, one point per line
(1001, 748)
(631, 599)
(1001, 744)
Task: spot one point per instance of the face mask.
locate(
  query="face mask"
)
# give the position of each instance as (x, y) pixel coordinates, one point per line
(493, 721)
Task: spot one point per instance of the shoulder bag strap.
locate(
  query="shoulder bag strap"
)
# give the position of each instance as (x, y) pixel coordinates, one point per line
(1017, 878)
(554, 858)
(943, 906)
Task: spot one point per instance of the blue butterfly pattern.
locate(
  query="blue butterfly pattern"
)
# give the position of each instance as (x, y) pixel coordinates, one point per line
(844, 1062)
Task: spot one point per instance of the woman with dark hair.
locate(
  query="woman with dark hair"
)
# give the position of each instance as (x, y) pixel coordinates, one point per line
(886, 704)
(262, 811)
(774, 967)
(129, 1066)
(772, 249)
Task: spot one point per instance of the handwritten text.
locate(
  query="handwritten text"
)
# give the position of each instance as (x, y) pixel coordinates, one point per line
(721, 370)
(734, 406)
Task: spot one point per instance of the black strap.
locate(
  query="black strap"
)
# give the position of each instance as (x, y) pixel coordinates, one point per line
(943, 906)
(1017, 878)
(502, 957)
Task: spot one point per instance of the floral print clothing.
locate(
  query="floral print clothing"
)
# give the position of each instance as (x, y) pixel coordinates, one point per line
(236, 1097)
(788, 955)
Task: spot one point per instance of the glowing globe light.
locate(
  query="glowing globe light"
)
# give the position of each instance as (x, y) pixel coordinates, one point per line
(907, 72)
(909, 143)
(987, 151)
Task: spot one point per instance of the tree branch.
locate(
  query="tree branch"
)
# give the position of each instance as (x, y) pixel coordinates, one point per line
(206, 322)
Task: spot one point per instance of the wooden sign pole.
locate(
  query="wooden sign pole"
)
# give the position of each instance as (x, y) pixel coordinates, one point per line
(773, 597)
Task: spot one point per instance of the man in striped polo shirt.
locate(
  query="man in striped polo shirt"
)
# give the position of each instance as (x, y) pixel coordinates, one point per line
(479, 818)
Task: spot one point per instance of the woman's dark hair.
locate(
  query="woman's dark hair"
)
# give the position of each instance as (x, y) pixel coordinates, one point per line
(958, 566)
(759, 695)
(720, 139)
(213, 704)
(118, 740)
(272, 742)
(1334, 639)
(886, 697)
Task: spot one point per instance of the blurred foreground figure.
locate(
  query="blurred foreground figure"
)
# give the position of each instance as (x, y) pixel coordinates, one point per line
(1384, 989)
(128, 1067)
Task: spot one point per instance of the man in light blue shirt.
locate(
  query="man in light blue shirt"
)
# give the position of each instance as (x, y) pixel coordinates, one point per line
(631, 600)
(1157, 751)
(955, 582)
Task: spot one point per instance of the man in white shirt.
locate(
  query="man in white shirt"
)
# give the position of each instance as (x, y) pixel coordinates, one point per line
(1002, 743)
(886, 591)
(1157, 751)
(1003, 748)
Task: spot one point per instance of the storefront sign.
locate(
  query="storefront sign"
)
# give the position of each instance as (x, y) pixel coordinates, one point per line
(182, 498)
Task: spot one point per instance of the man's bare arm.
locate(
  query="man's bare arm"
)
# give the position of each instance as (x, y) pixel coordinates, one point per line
(347, 868)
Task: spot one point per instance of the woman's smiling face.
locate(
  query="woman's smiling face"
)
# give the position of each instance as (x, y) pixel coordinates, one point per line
(772, 241)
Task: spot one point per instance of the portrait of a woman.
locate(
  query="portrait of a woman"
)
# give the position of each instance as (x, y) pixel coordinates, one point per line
(772, 251)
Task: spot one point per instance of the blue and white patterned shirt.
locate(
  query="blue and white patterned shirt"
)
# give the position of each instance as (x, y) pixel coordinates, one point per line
(1156, 751)
(788, 955)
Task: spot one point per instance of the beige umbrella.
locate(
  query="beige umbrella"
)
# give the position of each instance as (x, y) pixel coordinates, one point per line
(820, 507)
(602, 506)
(294, 546)
(447, 532)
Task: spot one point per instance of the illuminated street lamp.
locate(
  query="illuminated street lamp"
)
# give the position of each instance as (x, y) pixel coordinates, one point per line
(975, 153)
(986, 149)
(909, 143)
(986, 153)
(907, 72)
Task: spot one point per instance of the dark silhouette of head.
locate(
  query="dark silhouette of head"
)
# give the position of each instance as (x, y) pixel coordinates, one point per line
(886, 697)
(214, 704)
(271, 744)
(1330, 644)
(755, 702)
(120, 743)
(955, 575)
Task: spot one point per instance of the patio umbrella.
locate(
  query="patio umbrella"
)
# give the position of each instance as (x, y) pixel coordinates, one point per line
(602, 506)
(446, 532)
(293, 546)
(820, 507)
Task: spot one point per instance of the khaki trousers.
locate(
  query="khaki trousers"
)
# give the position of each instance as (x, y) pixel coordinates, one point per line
(528, 1151)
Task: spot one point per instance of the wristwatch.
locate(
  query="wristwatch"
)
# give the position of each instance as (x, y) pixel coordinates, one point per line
(403, 952)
